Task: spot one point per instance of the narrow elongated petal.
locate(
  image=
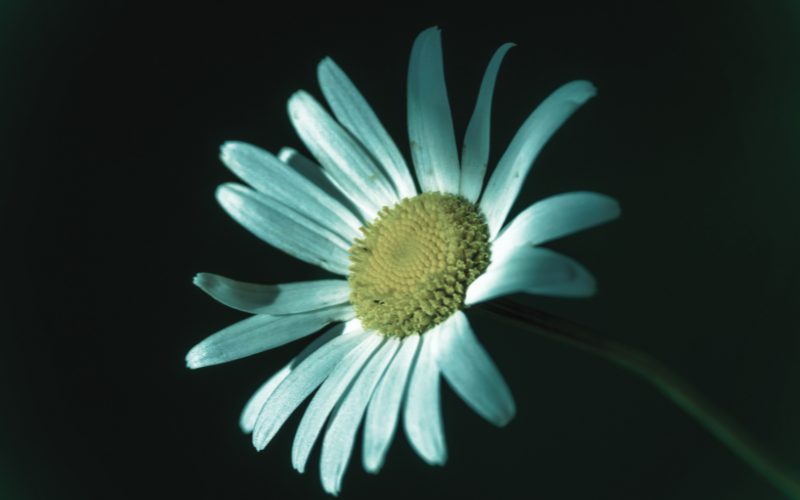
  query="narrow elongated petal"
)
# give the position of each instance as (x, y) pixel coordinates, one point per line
(303, 380)
(532, 270)
(423, 409)
(285, 229)
(475, 151)
(247, 420)
(341, 433)
(288, 298)
(327, 397)
(344, 159)
(278, 180)
(322, 179)
(554, 217)
(471, 373)
(384, 407)
(352, 111)
(513, 168)
(430, 125)
(262, 332)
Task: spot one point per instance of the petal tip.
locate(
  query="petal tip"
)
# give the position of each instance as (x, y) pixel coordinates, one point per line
(584, 90)
(227, 145)
(300, 95)
(226, 195)
(196, 358)
(200, 279)
(372, 469)
(504, 420)
(259, 443)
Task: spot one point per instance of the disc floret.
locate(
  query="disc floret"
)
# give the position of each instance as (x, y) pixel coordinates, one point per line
(415, 261)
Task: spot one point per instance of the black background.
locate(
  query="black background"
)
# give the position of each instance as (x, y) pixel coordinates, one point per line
(112, 115)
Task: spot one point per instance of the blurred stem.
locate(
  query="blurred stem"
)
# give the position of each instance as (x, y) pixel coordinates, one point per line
(664, 379)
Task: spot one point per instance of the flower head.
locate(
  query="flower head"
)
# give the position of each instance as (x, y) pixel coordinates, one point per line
(413, 262)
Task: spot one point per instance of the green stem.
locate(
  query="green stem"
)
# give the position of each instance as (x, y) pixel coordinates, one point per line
(665, 380)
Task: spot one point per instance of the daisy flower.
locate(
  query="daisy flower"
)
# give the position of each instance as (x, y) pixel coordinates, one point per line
(412, 261)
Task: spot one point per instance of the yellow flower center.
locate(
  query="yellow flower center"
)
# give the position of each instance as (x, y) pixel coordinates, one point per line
(412, 268)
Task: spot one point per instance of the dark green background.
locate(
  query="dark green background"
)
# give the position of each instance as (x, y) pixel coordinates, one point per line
(112, 114)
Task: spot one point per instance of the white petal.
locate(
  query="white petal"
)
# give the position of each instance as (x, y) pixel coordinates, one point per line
(260, 333)
(247, 420)
(513, 168)
(352, 111)
(384, 407)
(303, 380)
(322, 179)
(471, 373)
(475, 151)
(278, 180)
(430, 126)
(347, 162)
(555, 217)
(532, 270)
(341, 432)
(327, 396)
(423, 408)
(285, 229)
(287, 298)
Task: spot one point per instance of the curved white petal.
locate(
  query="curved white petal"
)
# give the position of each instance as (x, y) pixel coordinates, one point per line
(423, 408)
(278, 180)
(327, 396)
(285, 229)
(475, 151)
(471, 373)
(430, 126)
(262, 332)
(287, 298)
(555, 217)
(322, 179)
(384, 407)
(353, 111)
(247, 420)
(344, 159)
(534, 270)
(513, 168)
(303, 380)
(341, 432)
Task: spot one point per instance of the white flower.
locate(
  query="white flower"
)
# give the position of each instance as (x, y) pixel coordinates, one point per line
(315, 214)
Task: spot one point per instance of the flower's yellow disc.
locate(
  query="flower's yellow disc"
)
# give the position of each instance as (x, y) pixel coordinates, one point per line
(412, 268)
